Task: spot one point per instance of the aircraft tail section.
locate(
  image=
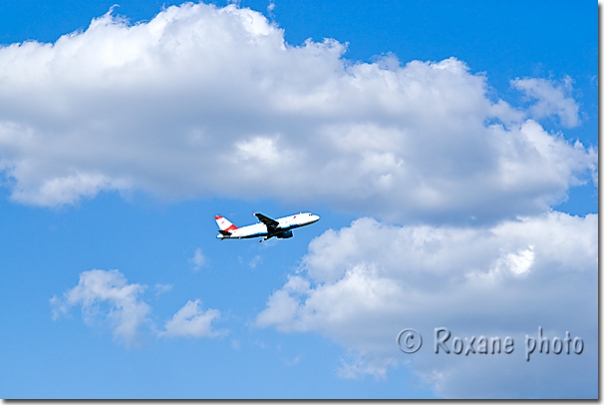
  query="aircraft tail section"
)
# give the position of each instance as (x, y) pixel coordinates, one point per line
(224, 225)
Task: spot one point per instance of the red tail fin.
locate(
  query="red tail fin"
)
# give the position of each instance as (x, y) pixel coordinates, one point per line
(224, 224)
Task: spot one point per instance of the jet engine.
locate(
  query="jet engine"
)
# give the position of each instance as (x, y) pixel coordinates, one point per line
(285, 235)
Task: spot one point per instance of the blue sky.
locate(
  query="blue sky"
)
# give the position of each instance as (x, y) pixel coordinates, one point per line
(450, 149)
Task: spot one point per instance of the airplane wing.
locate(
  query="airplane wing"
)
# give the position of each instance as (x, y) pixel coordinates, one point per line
(270, 223)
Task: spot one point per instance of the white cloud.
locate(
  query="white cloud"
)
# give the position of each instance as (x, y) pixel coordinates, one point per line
(362, 284)
(107, 298)
(68, 189)
(162, 288)
(354, 366)
(122, 309)
(211, 101)
(191, 321)
(517, 263)
(552, 99)
(198, 259)
(270, 8)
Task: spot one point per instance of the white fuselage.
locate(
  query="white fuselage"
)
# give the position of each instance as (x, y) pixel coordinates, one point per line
(261, 230)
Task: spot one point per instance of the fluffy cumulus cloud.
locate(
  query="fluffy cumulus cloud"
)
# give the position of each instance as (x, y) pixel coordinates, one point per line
(552, 99)
(107, 298)
(363, 284)
(206, 101)
(106, 295)
(191, 321)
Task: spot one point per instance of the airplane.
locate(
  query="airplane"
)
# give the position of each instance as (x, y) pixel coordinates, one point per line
(267, 228)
